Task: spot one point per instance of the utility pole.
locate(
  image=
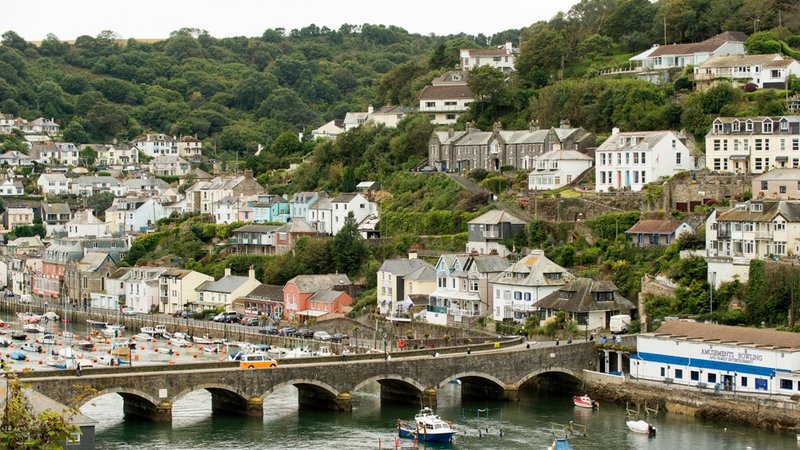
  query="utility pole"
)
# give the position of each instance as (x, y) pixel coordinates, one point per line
(665, 30)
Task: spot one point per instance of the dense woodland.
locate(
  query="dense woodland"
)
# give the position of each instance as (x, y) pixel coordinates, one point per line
(236, 93)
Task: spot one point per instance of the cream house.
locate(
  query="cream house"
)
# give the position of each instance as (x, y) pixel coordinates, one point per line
(557, 168)
(399, 278)
(177, 289)
(222, 293)
(753, 145)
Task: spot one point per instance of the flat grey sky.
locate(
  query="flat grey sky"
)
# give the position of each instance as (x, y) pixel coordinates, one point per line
(223, 18)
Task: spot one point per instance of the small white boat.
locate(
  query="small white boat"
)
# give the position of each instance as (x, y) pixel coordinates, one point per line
(113, 330)
(155, 331)
(69, 353)
(168, 351)
(178, 342)
(33, 328)
(4, 342)
(180, 335)
(96, 323)
(47, 339)
(31, 347)
(143, 337)
(202, 340)
(209, 349)
(51, 316)
(426, 427)
(640, 426)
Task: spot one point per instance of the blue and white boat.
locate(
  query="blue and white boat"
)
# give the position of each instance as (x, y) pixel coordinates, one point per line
(426, 427)
(560, 443)
(18, 355)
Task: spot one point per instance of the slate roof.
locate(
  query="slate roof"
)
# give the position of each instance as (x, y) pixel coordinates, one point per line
(90, 180)
(757, 337)
(267, 292)
(53, 177)
(562, 155)
(779, 175)
(581, 297)
(655, 226)
(226, 285)
(487, 263)
(345, 197)
(314, 283)
(790, 210)
(497, 216)
(445, 92)
(297, 225)
(326, 296)
(256, 228)
(92, 261)
(709, 45)
(769, 60)
(531, 271)
(645, 140)
(403, 267)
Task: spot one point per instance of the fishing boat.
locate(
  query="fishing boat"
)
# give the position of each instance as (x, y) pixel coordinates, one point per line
(584, 401)
(18, 355)
(121, 348)
(18, 335)
(96, 324)
(31, 347)
(28, 317)
(156, 331)
(33, 328)
(640, 426)
(426, 427)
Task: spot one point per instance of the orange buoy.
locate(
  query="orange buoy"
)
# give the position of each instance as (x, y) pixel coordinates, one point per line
(141, 348)
(177, 353)
(39, 362)
(195, 356)
(135, 357)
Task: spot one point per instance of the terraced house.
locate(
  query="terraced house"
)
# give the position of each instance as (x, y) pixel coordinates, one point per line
(753, 145)
(472, 149)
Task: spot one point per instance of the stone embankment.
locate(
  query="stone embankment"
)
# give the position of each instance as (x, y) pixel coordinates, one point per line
(765, 412)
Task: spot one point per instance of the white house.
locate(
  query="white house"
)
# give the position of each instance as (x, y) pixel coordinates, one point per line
(517, 288)
(629, 160)
(590, 303)
(53, 184)
(156, 144)
(345, 203)
(15, 158)
(189, 147)
(320, 215)
(141, 288)
(771, 71)
(750, 230)
(682, 55)
(720, 357)
(329, 130)
(446, 98)
(85, 224)
(133, 214)
(177, 289)
(501, 58)
(117, 155)
(10, 188)
(557, 168)
(90, 185)
(169, 165)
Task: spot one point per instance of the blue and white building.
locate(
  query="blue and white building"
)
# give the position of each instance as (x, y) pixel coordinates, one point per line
(720, 357)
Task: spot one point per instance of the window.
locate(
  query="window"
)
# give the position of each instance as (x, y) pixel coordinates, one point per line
(654, 239)
(759, 164)
(759, 145)
(717, 145)
(743, 381)
(748, 126)
(775, 73)
(450, 116)
(694, 375)
(430, 104)
(783, 144)
(784, 125)
(764, 185)
(795, 144)
(677, 158)
(718, 127)
(712, 378)
(663, 372)
(643, 159)
(767, 128)
(473, 285)
(735, 125)
(679, 374)
(782, 189)
(517, 295)
(786, 384)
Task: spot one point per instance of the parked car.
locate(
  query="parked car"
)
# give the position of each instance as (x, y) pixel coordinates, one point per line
(269, 329)
(128, 311)
(287, 331)
(250, 321)
(322, 336)
(187, 315)
(305, 333)
(177, 314)
(339, 337)
(228, 317)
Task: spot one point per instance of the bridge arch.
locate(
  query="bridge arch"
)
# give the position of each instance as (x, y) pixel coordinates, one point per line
(304, 382)
(473, 375)
(391, 378)
(213, 388)
(125, 393)
(560, 373)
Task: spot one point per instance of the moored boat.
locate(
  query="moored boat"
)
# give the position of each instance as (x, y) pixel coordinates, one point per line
(33, 328)
(426, 427)
(28, 317)
(4, 342)
(18, 355)
(113, 330)
(204, 340)
(31, 347)
(560, 443)
(209, 349)
(18, 335)
(584, 401)
(178, 342)
(640, 426)
(96, 324)
(48, 339)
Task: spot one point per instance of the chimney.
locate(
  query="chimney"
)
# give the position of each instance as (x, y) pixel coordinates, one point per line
(470, 127)
(227, 271)
(450, 132)
(248, 173)
(614, 131)
(412, 254)
(370, 109)
(537, 252)
(497, 126)
(534, 126)
(251, 273)
(564, 123)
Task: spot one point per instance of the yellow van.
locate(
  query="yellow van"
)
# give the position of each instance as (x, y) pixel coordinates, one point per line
(256, 361)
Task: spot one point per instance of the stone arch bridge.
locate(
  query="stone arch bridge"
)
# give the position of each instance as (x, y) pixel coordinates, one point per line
(150, 392)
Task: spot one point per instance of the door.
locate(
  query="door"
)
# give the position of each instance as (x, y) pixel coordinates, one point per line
(728, 382)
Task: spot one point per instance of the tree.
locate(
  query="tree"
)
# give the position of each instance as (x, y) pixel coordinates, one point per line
(100, 202)
(349, 248)
(756, 296)
(88, 156)
(486, 82)
(348, 180)
(75, 133)
(22, 429)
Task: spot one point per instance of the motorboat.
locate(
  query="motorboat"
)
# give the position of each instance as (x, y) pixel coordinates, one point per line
(18, 356)
(560, 443)
(143, 337)
(209, 349)
(18, 335)
(180, 335)
(85, 345)
(155, 331)
(31, 347)
(28, 317)
(178, 342)
(33, 328)
(584, 401)
(50, 316)
(113, 331)
(121, 348)
(96, 324)
(640, 426)
(48, 339)
(426, 427)
(4, 342)
(59, 362)
(202, 340)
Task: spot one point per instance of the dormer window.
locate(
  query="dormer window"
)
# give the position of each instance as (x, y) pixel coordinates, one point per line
(736, 126)
(564, 294)
(604, 296)
(555, 276)
(784, 125)
(767, 127)
(756, 207)
(718, 127)
(748, 126)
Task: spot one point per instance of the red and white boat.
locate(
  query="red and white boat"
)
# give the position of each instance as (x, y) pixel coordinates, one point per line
(584, 401)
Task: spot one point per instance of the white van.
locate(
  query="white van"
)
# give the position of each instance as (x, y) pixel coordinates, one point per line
(619, 323)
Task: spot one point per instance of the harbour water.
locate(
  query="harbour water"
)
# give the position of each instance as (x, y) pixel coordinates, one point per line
(525, 424)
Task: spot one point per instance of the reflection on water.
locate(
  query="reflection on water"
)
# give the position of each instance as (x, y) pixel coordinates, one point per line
(525, 425)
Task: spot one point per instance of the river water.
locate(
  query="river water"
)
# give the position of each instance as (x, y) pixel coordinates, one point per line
(526, 425)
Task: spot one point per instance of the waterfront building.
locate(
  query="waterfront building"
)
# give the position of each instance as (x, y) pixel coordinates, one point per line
(756, 229)
(737, 359)
(627, 161)
(311, 296)
(87, 275)
(177, 289)
(222, 293)
(399, 278)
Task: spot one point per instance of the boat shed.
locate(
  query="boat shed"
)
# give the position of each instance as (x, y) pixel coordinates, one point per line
(720, 357)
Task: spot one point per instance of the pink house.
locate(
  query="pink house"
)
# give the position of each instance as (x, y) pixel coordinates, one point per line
(312, 296)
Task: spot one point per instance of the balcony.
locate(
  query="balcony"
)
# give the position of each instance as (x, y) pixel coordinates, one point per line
(437, 309)
(763, 235)
(434, 109)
